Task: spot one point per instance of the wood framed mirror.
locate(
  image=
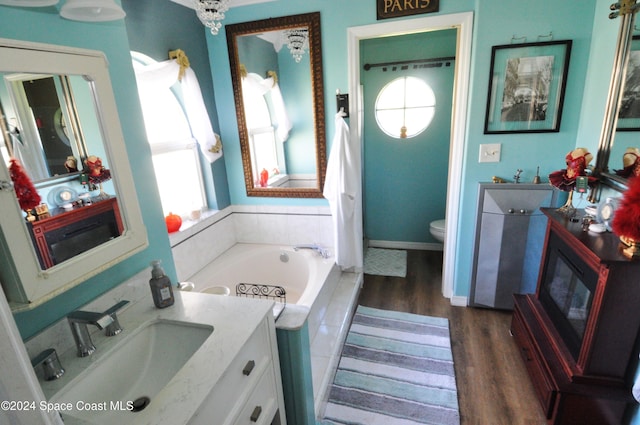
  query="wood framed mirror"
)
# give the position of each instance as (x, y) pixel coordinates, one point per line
(276, 71)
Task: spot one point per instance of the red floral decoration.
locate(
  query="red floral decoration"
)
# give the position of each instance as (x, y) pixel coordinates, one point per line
(28, 196)
(626, 221)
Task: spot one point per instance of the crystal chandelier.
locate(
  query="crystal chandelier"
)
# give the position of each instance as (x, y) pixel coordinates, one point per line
(211, 13)
(297, 41)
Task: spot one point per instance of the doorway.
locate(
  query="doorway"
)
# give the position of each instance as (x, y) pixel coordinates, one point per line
(463, 22)
(407, 97)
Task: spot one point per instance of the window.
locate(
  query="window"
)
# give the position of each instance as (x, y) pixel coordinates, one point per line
(267, 152)
(405, 107)
(174, 151)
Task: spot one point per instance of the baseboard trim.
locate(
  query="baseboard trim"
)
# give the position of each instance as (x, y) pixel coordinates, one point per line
(420, 246)
(459, 301)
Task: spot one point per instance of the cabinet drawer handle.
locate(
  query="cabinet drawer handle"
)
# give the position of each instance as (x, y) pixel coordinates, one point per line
(256, 414)
(249, 368)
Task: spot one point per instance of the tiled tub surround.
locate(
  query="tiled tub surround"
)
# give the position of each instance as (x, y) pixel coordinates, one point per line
(202, 242)
(330, 311)
(324, 298)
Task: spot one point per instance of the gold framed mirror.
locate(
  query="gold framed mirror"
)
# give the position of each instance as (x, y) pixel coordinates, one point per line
(276, 71)
(620, 88)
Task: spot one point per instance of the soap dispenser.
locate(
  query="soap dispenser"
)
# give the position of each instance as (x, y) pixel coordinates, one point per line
(160, 286)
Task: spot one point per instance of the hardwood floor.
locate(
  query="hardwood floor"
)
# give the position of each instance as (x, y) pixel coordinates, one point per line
(493, 385)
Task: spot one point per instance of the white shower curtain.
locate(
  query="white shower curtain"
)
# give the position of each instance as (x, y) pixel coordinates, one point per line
(342, 188)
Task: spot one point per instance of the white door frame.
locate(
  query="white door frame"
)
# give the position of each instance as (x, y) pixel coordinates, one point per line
(463, 22)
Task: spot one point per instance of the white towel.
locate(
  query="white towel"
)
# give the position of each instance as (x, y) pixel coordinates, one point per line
(342, 189)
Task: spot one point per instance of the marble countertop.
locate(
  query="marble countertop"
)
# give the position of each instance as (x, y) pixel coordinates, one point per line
(234, 320)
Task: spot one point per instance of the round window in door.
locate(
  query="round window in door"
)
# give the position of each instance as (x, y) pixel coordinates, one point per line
(405, 107)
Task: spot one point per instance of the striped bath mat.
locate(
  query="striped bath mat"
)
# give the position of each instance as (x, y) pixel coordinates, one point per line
(396, 369)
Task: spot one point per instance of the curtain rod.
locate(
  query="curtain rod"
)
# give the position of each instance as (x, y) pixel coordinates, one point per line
(368, 66)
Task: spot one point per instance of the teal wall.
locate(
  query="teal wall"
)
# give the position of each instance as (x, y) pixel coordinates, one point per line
(406, 179)
(147, 31)
(495, 23)
(46, 26)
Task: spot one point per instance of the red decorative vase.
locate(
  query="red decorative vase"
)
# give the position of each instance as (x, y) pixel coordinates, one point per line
(173, 222)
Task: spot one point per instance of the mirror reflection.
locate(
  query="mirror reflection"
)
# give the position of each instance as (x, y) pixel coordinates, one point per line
(624, 159)
(54, 150)
(277, 78)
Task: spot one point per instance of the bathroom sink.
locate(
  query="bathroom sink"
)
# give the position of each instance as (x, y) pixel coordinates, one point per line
(124, 380)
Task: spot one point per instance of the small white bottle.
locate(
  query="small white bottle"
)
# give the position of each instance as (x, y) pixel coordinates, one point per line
(160, 286)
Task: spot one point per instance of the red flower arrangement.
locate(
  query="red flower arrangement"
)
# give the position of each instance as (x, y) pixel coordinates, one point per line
(626, 221)
(28, 196)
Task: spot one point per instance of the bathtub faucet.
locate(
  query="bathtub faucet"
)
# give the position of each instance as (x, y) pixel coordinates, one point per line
(320, 250)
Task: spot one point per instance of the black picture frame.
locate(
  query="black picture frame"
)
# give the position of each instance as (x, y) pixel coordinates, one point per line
(629, 110)
(527, 84)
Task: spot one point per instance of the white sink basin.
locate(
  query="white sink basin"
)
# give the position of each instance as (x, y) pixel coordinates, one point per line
(128, 376)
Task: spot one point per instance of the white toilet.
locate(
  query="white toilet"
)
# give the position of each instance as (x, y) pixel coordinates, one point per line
(437, 229)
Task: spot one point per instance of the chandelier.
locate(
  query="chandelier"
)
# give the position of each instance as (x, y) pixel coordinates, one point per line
(297, 41)
(211, 13)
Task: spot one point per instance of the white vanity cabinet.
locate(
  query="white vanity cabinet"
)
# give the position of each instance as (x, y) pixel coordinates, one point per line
(250, 390)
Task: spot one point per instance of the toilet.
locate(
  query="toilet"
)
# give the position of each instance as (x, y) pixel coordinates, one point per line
(437, 229)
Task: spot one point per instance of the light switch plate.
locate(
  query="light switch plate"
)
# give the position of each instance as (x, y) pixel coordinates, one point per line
(490, 152)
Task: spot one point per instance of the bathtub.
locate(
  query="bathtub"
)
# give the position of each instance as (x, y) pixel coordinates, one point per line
(310, 282)
(304, 274)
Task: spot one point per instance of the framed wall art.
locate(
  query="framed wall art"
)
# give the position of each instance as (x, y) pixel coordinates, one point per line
(526, 87)
(629, 111)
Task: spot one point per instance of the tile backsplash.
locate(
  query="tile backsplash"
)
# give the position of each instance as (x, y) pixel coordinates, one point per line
(201, 244)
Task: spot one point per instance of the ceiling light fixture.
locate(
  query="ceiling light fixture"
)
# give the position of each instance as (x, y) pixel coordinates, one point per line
(297, 42)
(211, 13)
(92, 10)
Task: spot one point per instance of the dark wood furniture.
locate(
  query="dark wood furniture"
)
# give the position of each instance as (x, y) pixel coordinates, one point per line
(68, 233)
(577, 334)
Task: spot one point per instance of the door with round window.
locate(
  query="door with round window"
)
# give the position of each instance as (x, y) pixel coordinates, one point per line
(405, 107)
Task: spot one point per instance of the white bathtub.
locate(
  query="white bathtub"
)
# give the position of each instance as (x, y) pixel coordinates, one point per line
(310, 282)
(302, 273)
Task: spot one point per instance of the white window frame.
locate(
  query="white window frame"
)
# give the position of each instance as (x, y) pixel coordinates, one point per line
(178, 145)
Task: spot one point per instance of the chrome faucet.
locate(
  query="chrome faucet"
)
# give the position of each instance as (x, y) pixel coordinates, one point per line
(516, 177)
(114, 327)
(78, 320)
(320, 250)
(50, 364)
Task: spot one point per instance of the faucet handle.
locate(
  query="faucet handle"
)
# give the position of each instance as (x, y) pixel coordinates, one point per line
(114, 327)
(50, 364)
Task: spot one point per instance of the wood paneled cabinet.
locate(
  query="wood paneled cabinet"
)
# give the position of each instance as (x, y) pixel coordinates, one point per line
(577, 334)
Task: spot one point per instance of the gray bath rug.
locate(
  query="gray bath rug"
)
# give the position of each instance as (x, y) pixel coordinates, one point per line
(386, 262)
(395, 369)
